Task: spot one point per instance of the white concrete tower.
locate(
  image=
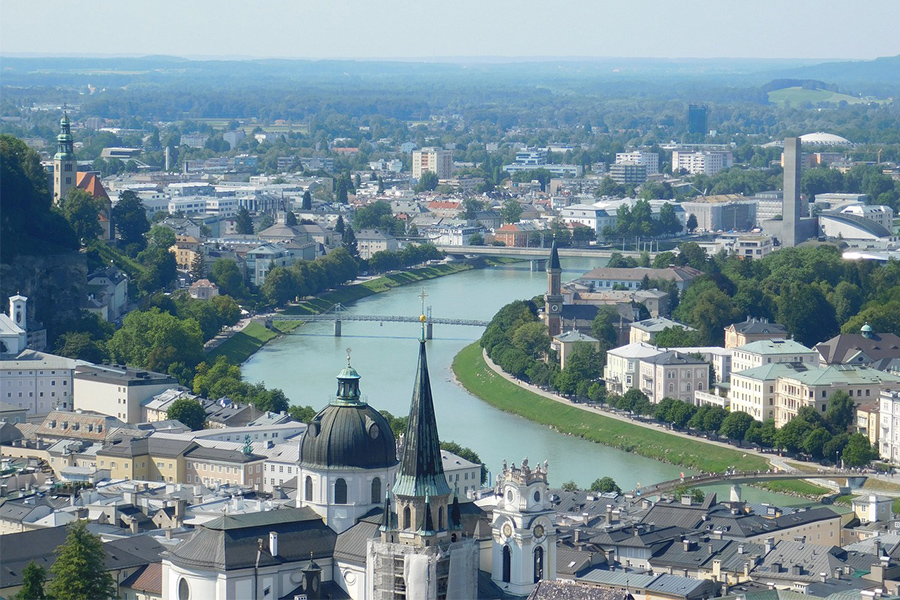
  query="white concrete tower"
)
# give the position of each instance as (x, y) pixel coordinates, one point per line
(524, 549)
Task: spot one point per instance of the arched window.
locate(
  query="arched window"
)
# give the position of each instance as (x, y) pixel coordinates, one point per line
(507, 563)
(406, 518)
(538, 563)
(440, 518)
(308, 489)
(340, 491)
(376, 490)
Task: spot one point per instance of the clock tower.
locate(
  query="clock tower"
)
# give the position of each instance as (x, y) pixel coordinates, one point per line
(524, 548)
(64, 163)
(553, 300)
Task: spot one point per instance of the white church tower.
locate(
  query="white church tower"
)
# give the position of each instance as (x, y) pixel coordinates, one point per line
(524, 549)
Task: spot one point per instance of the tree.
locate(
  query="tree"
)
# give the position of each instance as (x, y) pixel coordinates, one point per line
(840, 411)
(531, 338)
(33, 578)
(81, 210)
(858, 452)
(735, 425)
(79, 571)
(605, 485)
(603, 326)
(80, 345)
(467, 454)
(349, 242)
(189, 411)
(280, 286)
(302, 414)
(427, 182)
(290, 218)
(130, 219)
(161, 237)
(472, 208)
(691, 223)
(306, 203)
(807, 315)
(339, 225)
(476, 239)
(243, 223)
(157, 340)
(227, 275)
(569, 486)
(198, 267)
(511, 211)
(341, 190)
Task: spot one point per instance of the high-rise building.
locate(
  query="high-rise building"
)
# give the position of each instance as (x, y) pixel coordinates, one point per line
(697, 119)
(790, 206)
(648, 159)
(65, 166)
(436, 160)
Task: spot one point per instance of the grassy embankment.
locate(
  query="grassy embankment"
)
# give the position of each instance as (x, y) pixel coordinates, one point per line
(480, 380)
(244, 344)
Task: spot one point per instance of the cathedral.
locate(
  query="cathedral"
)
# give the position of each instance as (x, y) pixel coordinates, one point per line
(369, 526)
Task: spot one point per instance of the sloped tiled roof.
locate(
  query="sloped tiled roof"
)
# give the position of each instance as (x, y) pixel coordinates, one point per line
(146, 579)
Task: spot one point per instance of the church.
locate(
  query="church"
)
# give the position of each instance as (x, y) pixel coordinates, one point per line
(368, 525)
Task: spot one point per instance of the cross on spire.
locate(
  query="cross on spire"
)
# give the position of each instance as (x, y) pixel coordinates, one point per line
(348, 356)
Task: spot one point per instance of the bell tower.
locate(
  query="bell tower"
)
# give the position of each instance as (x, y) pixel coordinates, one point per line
(524, 549)
(553, 300)
(64, 163)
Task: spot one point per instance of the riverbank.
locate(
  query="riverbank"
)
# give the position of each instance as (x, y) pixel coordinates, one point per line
(479, 379)
(244, 344)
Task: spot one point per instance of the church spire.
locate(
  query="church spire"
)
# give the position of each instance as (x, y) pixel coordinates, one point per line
(65, 143)
(554, 257)
(421, 470)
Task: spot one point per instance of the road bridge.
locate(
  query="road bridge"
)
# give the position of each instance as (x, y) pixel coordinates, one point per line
(736, 478)
(537, 256)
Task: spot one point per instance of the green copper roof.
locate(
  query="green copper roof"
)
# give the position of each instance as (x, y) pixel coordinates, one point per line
(65, 143)
(421, 470)
(554, 257)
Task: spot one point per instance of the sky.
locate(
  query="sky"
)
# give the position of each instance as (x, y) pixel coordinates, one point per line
(428, 30)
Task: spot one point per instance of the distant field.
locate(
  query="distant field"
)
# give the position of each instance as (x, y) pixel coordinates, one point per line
(797, 96)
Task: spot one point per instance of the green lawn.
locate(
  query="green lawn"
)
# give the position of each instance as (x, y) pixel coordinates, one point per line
(480, 380)
(797, 96)
(793, 486)
(243, 344)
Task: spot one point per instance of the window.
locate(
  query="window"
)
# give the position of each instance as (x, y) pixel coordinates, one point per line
(340, 491)
(406, 518)
(376, 490)
(507, 564)
(538, 563)
(308, 491)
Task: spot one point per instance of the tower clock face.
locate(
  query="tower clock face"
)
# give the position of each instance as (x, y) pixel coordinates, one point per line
(507, 530)
(554, 307)
(538, 531)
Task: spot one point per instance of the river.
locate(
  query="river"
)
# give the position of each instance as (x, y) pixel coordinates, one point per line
(305, 362)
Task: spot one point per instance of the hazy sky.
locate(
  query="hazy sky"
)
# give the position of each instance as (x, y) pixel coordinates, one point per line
(422, 29)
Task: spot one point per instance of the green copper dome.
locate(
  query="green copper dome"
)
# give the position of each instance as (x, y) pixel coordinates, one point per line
(65, 143)
(348, 433)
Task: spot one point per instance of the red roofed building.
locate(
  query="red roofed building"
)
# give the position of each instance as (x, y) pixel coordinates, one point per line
(90, 183)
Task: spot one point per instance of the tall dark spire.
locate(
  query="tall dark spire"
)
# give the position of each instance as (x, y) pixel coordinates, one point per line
(421, 470)
(387, 516)
(427, 520)
(554, 257)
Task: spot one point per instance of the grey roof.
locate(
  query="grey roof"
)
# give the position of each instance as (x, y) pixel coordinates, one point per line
(842, 347)
(754, 326)
(675, 358)
(230, 542)
(351, 544)
(153, 445)
(421, 469)
(799, 561)
(701, 552)
(571, 590)
(222, 455)
(674, 585)
(119, 375)
(657, 324)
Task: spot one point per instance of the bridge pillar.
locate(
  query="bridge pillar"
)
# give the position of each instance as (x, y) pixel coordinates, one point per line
(429, 330)
(735, 492)
(337, 328)
(539, 264)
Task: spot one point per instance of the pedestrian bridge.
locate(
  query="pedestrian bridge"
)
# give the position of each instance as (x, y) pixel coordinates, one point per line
(338, 314)
(736, 478)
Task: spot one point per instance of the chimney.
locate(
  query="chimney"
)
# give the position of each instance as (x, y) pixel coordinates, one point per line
(769, 544)
(687, 544)
(576, 535)
(823, 577)
(273, 543)
(133, 526)
(584, 518)
(746, 569)
(609, 514)
(740, 549)
(878, 548)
